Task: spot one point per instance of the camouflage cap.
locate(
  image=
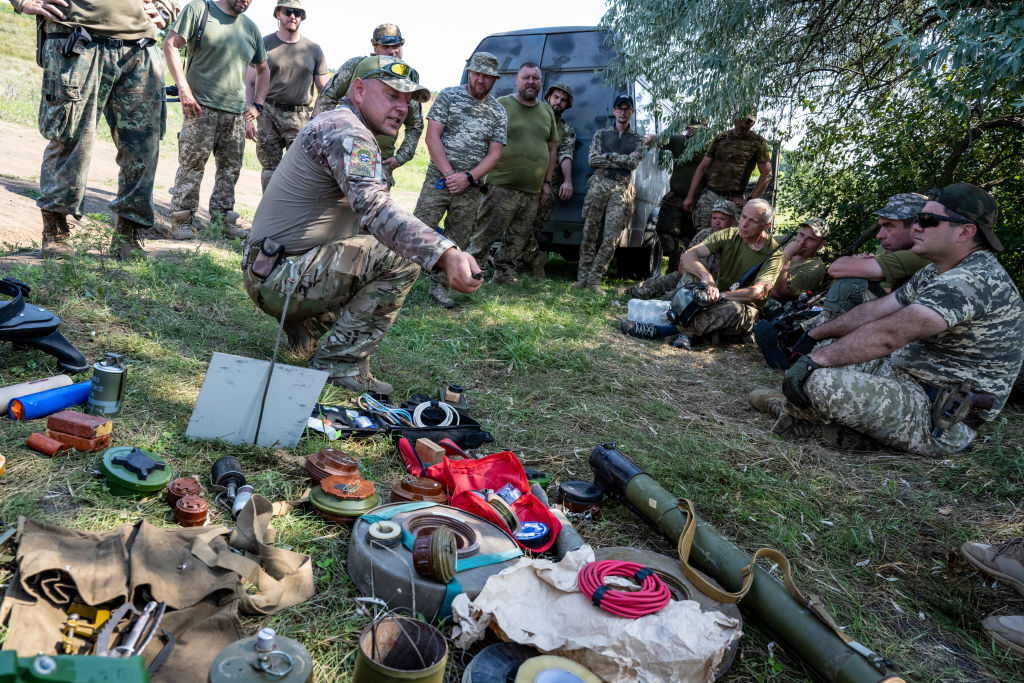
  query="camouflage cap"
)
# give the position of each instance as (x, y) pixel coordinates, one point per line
(973, 203)
(564, 88)
(817, 225)
(726, 207)
(394, 72)
(388, 34)
(750, 115)
(902, 206)
(294, 4)
(484, 63)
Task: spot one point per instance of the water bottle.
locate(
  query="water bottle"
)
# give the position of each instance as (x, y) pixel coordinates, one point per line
(649, 311)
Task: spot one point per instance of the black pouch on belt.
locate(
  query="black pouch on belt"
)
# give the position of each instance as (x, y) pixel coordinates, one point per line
(268, 254)
(75, 43)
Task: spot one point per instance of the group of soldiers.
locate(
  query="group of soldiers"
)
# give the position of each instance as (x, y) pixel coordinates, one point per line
(916, 347)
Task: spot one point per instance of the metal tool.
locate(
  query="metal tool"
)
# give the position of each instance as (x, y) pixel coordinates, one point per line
(145, 626)
(83, 621)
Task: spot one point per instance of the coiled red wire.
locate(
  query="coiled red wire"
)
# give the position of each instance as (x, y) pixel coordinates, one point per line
(652, 596)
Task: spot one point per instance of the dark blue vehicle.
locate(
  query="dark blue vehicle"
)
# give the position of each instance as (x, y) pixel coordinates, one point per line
(577, 56)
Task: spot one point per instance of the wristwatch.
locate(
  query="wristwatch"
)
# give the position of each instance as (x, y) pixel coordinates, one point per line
(470, 178)
(259, 107)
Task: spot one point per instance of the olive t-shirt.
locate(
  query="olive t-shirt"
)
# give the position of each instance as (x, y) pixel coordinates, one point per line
(983, 309)
(898, 267)
(123, 19)
(806, 275)
(230, 44)
(736, 258)
(292, 68)
(524, 161)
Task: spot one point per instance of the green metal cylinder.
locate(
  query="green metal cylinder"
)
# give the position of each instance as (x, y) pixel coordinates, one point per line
(398, 650)
(768, 603)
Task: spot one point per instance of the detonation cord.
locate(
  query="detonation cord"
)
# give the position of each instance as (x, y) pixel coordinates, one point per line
(451, 416)
(652, 596)
(389, 413)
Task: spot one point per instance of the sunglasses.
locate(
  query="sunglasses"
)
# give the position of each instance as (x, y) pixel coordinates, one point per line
(390, 40)
(931, 220)
(290, 12)
(394, 70)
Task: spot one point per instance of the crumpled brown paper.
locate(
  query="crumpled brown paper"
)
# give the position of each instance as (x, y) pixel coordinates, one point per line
(537, 602)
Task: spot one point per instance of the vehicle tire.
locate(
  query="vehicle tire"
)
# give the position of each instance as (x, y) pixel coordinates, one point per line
(639, 263)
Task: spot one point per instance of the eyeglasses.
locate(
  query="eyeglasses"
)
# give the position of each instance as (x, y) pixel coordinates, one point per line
(931, 220)
(290, 12)
(394, 70)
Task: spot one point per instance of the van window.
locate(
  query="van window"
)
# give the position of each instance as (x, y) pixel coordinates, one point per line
(511, 52)
(577, 50)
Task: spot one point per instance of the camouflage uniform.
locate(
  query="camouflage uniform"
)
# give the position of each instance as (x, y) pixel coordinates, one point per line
(608, 206)
(217, 132)
(532, 257)
(121, 82)
(352, 283)
(732, 161)
(337, 88)
(675, 225)
(505, 214)
(277, 131)
(886, 398)
(470, 126)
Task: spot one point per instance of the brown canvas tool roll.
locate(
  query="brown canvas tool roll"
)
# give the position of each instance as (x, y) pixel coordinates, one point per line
(194, 570)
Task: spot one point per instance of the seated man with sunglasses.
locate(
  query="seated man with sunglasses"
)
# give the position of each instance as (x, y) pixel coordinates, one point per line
(921, 369)
(309, 253)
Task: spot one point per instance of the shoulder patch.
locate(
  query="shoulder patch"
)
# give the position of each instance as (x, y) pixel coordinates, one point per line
(363, 158)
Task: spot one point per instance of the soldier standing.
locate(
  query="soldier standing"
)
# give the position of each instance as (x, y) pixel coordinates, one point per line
(386, 40)
(466, 130)
(221, 44)
(298, 70)
(608, 206)
(309, 245)
(728, 164)
(112, 68)
(559, 96)
(675, 224)
(524, 171)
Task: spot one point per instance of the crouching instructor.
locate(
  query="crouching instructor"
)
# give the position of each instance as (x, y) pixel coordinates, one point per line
(309, 245)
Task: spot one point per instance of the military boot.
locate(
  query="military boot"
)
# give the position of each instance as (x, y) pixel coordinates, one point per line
(55, 234)
(767, 401)
(301, 339)
(183, 226)
(233, 226)
(504, 277)
(364, 381)
(125, 242)
(540, 260)
(439, 293)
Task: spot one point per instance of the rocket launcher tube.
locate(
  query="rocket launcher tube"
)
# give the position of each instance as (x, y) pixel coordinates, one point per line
(796, 627)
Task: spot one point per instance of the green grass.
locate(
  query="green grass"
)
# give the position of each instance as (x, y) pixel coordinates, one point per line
(549, 375)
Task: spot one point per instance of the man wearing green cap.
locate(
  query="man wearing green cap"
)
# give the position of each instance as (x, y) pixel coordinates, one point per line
(386, 40)
(466, 131)
(922, 369)
(559, 96)
(222, 43)
(298, 70)
(309, 254)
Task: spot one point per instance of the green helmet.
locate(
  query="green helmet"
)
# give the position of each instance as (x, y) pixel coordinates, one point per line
(687, 302)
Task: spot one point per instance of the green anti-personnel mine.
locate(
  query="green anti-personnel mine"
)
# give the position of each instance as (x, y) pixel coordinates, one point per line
(71, 669)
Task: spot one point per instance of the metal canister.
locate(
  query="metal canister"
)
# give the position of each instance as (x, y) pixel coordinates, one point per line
(108, 382)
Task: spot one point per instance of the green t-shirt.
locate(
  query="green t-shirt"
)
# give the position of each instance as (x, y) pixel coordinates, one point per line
(216, 73)
(293, 67)
(898, 267)
(736, 258)
(524, 161)
(805, 276)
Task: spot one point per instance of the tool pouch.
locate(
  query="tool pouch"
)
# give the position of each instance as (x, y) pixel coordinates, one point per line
(76, 42)
(950, 406)
(268, 254)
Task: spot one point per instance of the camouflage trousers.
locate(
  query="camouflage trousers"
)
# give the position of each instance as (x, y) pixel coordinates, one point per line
(880, 401)
(657, 287)
(843, 294)
(607, 210)
(126, 86)
(702, 209)
(277, 131)
(351, 290)
(675, 227)
(217, 132)
(507, 215)
(533, 257)
(458, 210)
(725, 317)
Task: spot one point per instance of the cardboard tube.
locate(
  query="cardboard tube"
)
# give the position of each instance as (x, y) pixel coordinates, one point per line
(50, 401)
(8, 394)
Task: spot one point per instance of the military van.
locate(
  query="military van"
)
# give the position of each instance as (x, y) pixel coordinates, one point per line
(577, 56)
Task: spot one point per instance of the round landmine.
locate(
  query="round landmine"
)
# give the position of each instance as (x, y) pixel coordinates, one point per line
(434, 554)
(191, 510)
(552, 669)
(328, 462)
(342, 510)
(581, 497)
(465, 537)
(181, 487)
(413, 488)
(132, 472)
(346, 487)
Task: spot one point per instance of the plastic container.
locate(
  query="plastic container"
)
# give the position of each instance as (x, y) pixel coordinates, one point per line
(649, 311)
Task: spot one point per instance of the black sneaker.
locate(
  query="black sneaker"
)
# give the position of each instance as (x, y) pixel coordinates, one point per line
(682, 341)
